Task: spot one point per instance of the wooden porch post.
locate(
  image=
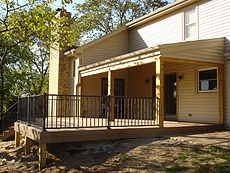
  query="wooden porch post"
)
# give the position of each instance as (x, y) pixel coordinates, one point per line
(111, 93)
(221, 93)
(42, 156)
(160, 91)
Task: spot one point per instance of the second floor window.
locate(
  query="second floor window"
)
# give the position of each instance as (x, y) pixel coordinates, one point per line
(190, 24)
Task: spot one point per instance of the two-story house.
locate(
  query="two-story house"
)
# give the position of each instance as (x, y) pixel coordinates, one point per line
(179, 53)
(171, 64)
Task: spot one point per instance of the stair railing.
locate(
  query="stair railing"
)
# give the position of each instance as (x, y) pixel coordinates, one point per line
(9, 117)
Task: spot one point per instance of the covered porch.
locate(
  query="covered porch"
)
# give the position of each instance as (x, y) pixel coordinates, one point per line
(186, 78)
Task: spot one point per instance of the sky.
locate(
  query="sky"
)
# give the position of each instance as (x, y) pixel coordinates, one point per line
(70, 7)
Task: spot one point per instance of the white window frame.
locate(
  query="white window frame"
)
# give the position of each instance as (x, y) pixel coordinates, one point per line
(198, 81)
(189, 24)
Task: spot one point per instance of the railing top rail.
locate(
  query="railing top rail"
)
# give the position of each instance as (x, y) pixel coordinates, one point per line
(31, 96)
(68, 95)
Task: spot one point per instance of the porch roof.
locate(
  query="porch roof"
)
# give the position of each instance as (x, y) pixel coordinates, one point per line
(204, 52)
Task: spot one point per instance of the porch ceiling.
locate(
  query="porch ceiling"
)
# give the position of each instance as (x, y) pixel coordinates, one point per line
(209, 52)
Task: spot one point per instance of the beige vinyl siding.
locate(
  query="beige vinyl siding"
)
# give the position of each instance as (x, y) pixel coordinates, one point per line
(91, 85)
(202, 106)
(137, 77)
(166, 29)
(108, 48)
(214, 20)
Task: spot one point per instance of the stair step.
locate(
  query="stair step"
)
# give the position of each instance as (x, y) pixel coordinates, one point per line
(7, 134)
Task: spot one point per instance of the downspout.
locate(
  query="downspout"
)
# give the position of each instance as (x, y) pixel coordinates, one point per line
(227, 106)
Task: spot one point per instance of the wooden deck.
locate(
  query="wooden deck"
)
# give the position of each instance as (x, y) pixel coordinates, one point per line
(69, 134)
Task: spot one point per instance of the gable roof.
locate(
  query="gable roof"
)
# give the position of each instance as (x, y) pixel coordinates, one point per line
(151, 16)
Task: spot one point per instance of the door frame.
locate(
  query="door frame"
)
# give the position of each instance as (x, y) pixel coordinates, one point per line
(170, 116)
(175, 116)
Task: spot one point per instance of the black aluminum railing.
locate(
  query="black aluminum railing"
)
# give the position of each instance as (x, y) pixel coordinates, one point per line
(78, 111)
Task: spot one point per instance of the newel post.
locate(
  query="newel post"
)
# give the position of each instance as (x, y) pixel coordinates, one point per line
(44, 110)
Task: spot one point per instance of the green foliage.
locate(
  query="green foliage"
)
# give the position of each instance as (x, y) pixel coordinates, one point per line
(26, 33)
(95, 18)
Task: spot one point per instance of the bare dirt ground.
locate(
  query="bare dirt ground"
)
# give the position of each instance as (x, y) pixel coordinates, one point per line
(131, 155)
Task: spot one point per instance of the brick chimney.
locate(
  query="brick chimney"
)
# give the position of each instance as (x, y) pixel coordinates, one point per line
(59, 64)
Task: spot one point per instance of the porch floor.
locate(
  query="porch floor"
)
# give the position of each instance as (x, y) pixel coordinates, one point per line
(69, 134)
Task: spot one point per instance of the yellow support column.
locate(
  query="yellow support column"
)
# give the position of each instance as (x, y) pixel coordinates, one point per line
(221, 93)
(160, 91)
(79, 104)
(17, 138)
(42, 156)
(111, 93)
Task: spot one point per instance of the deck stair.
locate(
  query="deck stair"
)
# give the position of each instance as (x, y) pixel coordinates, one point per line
(7, 134)
(8, 118)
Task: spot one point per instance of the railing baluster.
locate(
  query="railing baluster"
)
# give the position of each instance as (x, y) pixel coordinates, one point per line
(108, 110)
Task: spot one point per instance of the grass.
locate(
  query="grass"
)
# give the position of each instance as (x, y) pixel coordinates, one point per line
(184, 155)
(126, 157)
(202, 159)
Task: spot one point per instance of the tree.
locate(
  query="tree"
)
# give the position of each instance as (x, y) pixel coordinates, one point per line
(95, 18)
(26, 33)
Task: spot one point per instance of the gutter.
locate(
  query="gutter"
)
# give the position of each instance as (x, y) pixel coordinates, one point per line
(70, 52)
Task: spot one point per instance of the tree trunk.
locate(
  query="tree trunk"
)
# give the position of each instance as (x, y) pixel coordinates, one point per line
(2, 99)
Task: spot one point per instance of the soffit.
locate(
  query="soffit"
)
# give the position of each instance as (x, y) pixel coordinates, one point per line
(209, 50)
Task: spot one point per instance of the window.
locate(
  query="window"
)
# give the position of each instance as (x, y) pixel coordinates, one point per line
(208, 80)
(190, 26)
(74, 68)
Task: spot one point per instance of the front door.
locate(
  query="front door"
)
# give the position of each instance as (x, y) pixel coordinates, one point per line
(170, 92)
(119, 90)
